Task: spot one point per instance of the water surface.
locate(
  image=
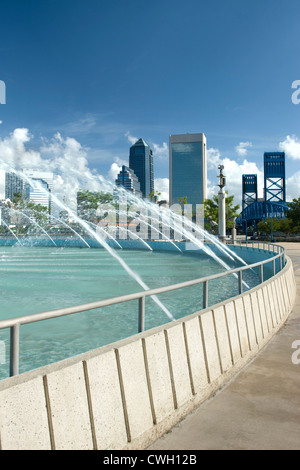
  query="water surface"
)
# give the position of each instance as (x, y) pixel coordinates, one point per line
(34, 280)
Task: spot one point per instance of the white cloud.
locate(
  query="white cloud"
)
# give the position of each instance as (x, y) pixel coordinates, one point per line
(131, 139)
(115, 168)
(14, 154)
(213, 158)
(65, 157)
(1, 122)
(162, 186)
(85, 124)
(211, 190)
(233, 171)
(160, 151)
(292, 186)
(291, 147)
(242, 148)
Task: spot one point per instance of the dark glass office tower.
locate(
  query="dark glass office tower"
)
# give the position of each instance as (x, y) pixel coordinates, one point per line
(141, 162)
(188, 173)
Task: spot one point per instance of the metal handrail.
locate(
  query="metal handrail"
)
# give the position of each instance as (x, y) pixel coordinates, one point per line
(15, 323)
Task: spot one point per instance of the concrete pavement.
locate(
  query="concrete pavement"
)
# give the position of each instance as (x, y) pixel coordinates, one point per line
(259, 409)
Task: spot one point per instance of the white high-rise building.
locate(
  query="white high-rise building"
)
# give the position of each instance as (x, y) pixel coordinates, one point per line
(41, 188)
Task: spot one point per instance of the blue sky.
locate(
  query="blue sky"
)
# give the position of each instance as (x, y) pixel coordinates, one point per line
(106, 72)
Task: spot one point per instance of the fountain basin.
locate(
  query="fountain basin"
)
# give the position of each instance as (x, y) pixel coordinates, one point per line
(127, 394)
(36, 279)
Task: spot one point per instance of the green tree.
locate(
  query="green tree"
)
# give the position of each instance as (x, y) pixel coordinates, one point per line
(182, 200)
(290, 224)
(275, 225)
(154, 195)
(26, 210)
(211, 212)
(18, 199)
(88, 202)
(285, 225)
(268, 225)
(294, 212)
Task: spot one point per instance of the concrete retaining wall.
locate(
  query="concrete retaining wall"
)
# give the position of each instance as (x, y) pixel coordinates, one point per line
(126, 395)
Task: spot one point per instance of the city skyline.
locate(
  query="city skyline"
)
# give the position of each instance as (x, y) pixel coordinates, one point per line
(82, 85)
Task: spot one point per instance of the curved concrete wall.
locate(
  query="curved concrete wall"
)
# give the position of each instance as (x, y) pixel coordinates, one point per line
(126, 395)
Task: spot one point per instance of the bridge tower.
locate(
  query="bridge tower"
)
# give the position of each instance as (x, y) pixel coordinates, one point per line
(249, 187)
(274, 177)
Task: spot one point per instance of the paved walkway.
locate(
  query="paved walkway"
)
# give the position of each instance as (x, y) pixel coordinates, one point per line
(260, 407)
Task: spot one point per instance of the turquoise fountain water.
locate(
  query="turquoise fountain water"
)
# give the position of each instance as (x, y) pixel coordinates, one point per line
(33, 280)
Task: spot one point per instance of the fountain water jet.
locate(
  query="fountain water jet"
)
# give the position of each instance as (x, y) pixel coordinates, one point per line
(179, 226)
(152, 227)
(180, 221)
(72, 230)
(35, 223)
(11, 231)
(118, 258)
(112, 252)
(105, 245)
(146, 204)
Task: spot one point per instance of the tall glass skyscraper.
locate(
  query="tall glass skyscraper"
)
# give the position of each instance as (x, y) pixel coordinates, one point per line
(141, 162)
(187, 168)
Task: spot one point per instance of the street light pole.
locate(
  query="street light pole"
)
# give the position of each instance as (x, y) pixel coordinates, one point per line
(222, 206)
(272, 239)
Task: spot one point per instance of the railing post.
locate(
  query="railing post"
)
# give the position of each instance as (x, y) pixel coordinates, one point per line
(14, 349)
(261, 273)
(141, 325)
(240, 278)
(274, 267)
(205, 294)
(280, 263)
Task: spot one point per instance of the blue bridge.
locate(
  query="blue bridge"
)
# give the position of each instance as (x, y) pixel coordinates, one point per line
(260, 210)
(274, 203)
